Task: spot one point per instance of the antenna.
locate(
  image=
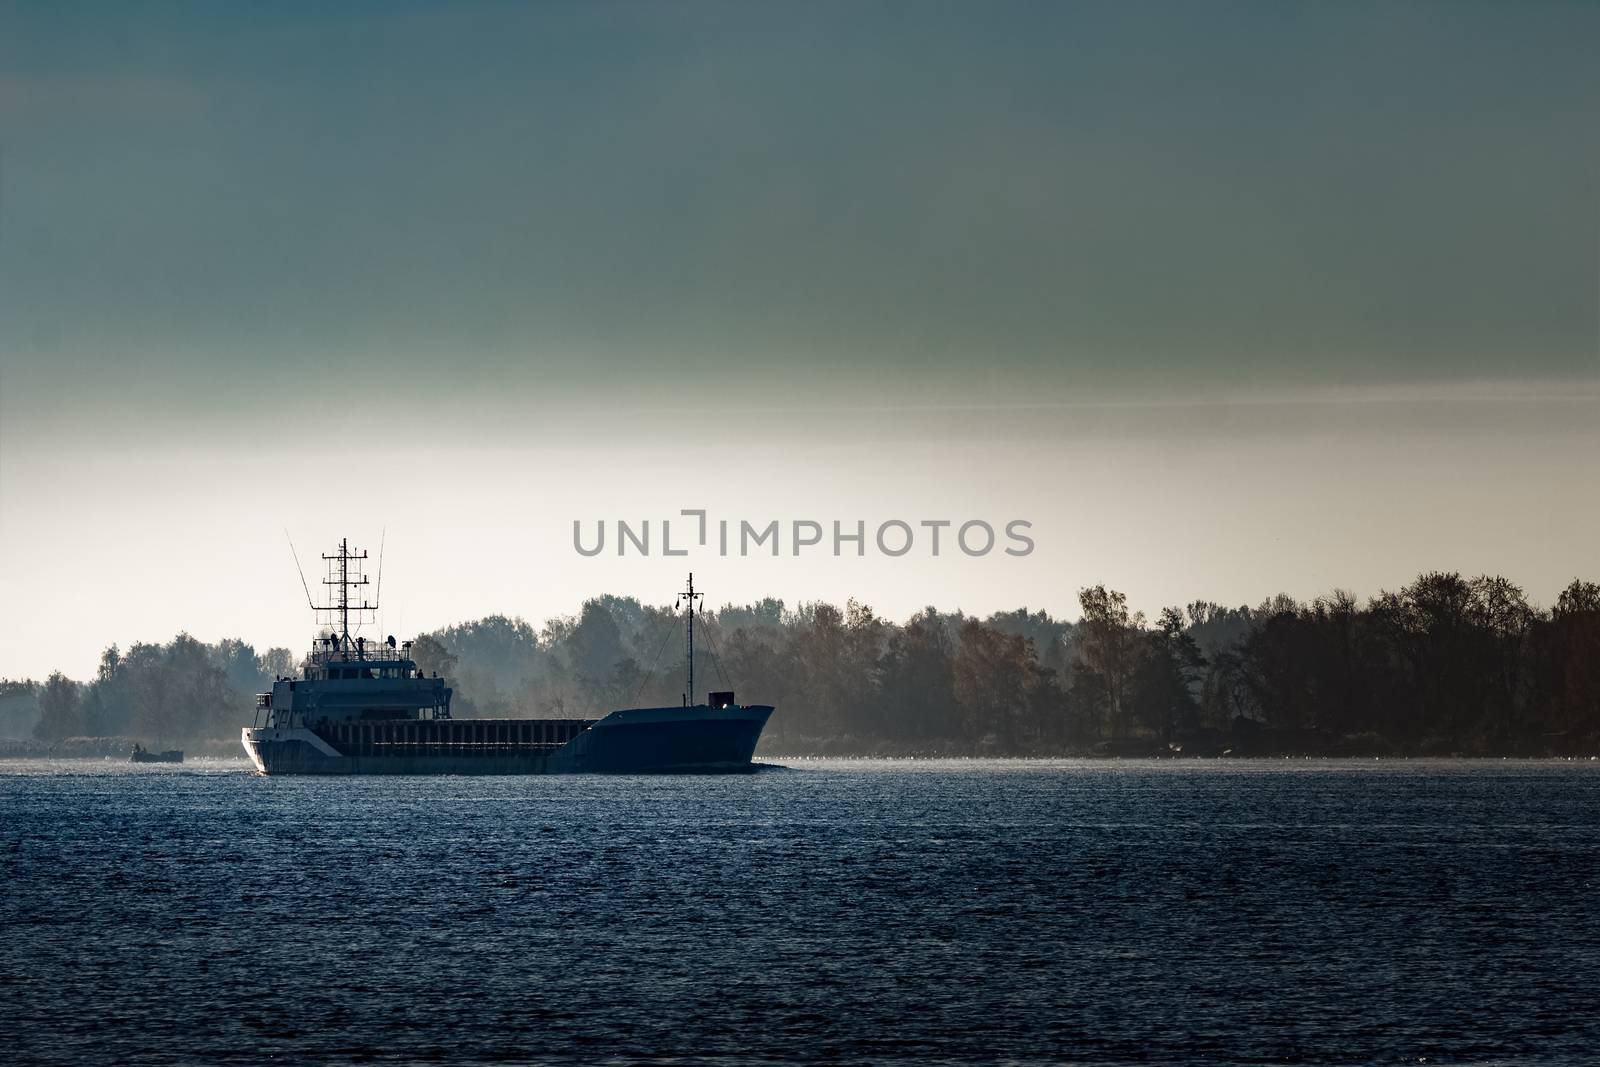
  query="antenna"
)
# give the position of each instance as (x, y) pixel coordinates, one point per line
(688, 597)
(309, 602)
(377, 594)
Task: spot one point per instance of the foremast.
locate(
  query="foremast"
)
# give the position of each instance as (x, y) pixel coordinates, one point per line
(688, 599)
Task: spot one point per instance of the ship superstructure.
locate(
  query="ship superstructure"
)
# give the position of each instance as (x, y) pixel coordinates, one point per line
(363, 707)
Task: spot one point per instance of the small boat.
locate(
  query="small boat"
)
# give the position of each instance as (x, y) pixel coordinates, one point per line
(144, 755)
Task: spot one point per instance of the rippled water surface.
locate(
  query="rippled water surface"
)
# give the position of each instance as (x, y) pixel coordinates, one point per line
(865, 911)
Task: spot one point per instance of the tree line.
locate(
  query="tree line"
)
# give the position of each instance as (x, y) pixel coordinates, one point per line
(1447, 664)
(184, 691)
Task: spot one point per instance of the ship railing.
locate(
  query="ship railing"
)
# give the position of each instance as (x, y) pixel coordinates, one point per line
(476, 746)
(323, 655)
(370, 650)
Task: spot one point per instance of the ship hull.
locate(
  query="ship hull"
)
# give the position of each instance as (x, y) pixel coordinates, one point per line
(698, 740)
(694, 740)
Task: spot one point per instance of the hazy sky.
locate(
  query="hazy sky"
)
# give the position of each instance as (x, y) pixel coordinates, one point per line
(1225, 298)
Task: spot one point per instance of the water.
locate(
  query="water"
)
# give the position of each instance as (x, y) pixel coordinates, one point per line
(844, 911)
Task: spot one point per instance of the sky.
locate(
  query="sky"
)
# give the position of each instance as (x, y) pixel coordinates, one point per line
(1224, 299)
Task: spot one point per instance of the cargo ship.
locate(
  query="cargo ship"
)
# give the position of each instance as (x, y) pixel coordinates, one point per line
(361, 707)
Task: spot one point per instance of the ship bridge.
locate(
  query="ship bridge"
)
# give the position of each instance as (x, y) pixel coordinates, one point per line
(349, 679)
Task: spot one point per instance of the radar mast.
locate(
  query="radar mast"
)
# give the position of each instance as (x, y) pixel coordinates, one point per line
(345, 571)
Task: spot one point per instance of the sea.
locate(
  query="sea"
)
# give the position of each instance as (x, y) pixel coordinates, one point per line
(821, 911)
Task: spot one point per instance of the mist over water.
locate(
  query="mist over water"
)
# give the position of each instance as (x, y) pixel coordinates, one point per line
(836, 911)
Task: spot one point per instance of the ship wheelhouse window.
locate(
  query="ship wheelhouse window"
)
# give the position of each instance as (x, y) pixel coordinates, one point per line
(349, 672)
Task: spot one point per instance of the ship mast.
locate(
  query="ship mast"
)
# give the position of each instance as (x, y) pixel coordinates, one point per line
(339, 567)
(688, 597)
